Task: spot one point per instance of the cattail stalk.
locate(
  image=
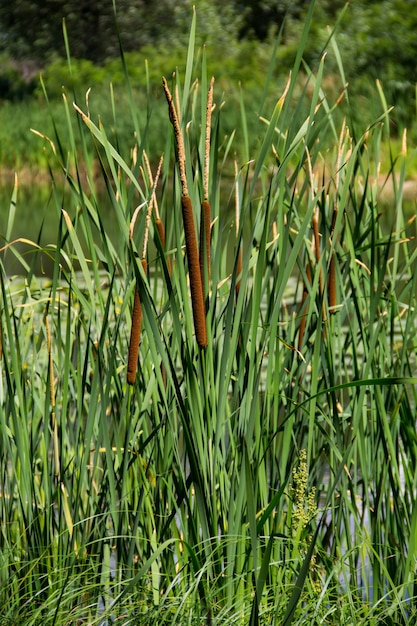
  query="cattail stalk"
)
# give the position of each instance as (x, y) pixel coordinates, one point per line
(209, 111)
(205, 224)
(153, 203)
(159, 227)
(196, 286)
(132, 360)
(178, 137)
(158, 222)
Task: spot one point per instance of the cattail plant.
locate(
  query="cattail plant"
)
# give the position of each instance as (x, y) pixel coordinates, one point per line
(132, 361)
(158, 222)
(205, 224)
(196, 287)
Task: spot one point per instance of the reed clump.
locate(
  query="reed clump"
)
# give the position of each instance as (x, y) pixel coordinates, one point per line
(187, 500)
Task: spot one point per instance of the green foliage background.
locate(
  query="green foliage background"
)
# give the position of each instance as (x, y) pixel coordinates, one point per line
(376, 38)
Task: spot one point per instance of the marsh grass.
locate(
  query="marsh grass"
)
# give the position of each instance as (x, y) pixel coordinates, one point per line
(268, 477)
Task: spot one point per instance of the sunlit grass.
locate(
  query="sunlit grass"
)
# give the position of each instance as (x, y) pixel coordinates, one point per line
(268, 477)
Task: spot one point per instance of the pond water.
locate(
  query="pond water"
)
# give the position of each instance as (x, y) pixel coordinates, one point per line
(37, 218)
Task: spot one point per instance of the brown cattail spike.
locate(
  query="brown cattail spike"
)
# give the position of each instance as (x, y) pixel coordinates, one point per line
(196, 287)
(132, 361)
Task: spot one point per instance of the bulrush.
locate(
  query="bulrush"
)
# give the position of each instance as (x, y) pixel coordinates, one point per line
(158, 222)
(205, 224)
(132, 361)
(196, 287)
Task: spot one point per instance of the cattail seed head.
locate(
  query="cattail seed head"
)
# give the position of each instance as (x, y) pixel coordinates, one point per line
(197, 298)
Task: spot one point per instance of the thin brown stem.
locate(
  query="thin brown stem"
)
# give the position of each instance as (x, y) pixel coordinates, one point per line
(205, 222)
(178, 137)
(152, 204)
(209, 111)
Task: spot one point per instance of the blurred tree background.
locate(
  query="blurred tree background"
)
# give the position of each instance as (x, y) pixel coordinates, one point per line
(377, 38)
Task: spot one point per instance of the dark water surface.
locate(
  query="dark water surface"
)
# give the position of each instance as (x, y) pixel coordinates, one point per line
(37, 216)
(38, 213)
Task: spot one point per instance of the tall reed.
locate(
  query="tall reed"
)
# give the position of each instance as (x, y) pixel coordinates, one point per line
(197, 297)
(205, 221)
